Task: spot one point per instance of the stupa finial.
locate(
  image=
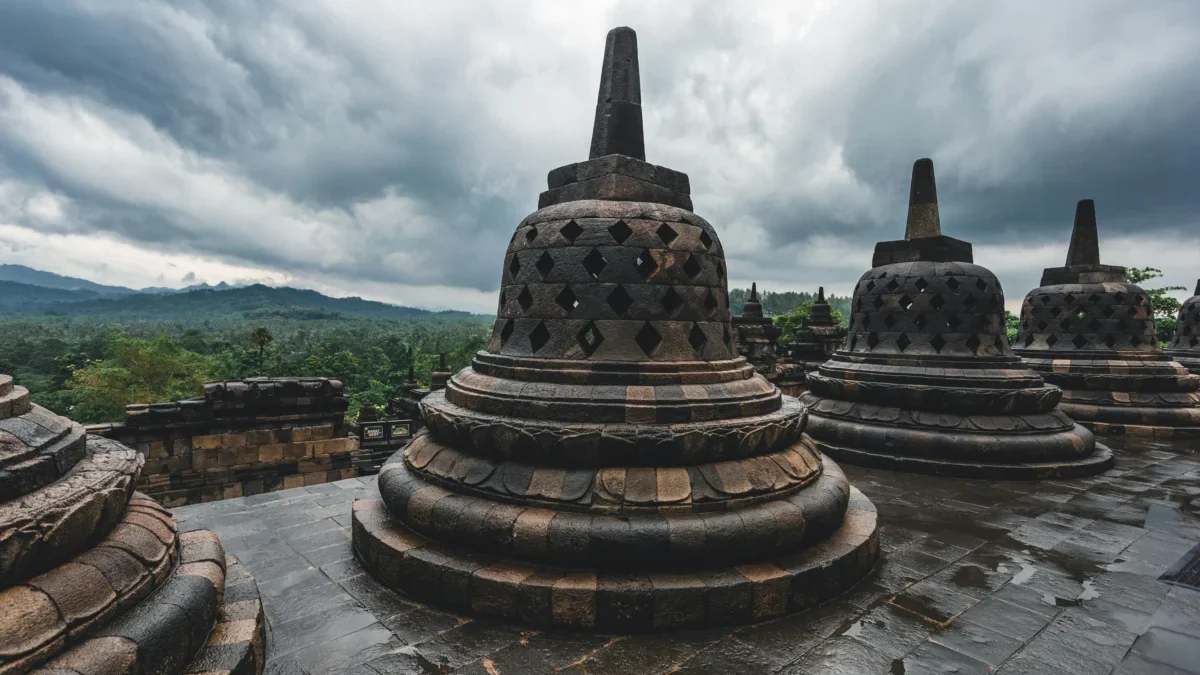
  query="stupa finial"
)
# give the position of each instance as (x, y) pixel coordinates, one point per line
(618, 126)
(442, 361)
(1197, 287)
(821, 295)
(754, 291)
(1085, 243)
(923, 219)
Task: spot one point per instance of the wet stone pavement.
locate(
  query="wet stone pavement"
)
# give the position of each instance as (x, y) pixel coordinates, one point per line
(976, 577)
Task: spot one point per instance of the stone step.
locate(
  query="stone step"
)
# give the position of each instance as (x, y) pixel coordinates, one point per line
(13, 400)
(165, 630)
(237, 644)
(74, 601)
(591, 599)
(49, 525)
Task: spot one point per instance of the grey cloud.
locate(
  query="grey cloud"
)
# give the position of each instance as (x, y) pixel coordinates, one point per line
(452, 117)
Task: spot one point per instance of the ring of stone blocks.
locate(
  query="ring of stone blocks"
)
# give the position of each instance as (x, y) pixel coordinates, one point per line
(614, 404)
(1096, 463)
(1180, 417)
(1074, 317)
(1132, 399)
(644, 373)
(48, 525)
(870, 413)
(612, 340)
(165, 630)
(925, 436)
(237, 643)
(928, 308)
(36, 449)
(57, 609)
(617, 602)
(1141, 431)
(622, 490)
(1187, 359)
(1159, 374)
(631, 541)
(830, 382)
(581, 444)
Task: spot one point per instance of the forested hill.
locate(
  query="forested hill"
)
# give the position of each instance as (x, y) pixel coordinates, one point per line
(257, 302)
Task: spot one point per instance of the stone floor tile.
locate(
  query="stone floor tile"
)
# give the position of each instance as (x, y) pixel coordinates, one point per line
(1167, 647)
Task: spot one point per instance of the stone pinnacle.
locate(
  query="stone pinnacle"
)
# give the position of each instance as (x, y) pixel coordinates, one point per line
(754, 292)
(618, 126)
(412, 376)
(821, 295)
(923, 220)
(442, 361)
(1085, 243)
(1197, 287)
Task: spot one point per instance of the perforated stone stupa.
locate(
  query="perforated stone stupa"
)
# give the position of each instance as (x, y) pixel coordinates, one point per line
(1091, 332)
(608, 462)
(927, 382)
(1185, 346)
(96, 578)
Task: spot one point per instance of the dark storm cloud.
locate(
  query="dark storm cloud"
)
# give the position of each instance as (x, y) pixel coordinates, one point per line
(401, 142)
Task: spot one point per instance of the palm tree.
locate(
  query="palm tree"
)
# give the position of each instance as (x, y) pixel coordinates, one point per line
(261, 337)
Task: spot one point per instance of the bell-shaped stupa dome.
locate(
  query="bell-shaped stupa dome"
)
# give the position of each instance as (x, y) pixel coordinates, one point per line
(608, 461)
(1091, 332)
(927, 381)
(1185, 346)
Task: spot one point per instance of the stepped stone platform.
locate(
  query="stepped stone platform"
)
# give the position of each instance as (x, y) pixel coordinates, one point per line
(96, 578)
(927, 381)
(1091, 332)
(1185, 346)
(974, 576)
(609, 462)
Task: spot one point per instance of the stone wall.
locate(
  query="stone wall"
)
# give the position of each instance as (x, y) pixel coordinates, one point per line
(243, 438)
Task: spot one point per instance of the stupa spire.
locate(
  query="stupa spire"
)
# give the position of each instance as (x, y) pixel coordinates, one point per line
(821, 295)
(1085, 243)
(442, 361)
(923, 219)
(1197, 287)
(754, 291)
(618, 126)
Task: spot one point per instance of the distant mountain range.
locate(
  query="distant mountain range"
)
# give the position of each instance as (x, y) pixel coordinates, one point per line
(29, 292)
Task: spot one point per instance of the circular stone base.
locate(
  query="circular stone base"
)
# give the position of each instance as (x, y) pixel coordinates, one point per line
(1098, 462)
(613, 602)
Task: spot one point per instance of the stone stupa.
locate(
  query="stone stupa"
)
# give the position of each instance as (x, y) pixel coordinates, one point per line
(927, 382)
(818, 338)
(608, 462)
(755, 336)
(1091, 332)
(1185, 346)
(97, 578)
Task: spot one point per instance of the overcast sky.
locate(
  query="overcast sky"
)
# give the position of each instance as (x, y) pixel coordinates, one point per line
(388, 148)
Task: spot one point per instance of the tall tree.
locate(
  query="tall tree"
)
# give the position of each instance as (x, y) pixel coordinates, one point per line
(261, 337)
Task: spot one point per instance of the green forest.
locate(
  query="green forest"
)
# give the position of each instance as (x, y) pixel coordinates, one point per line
(89, 369)
(87, 358)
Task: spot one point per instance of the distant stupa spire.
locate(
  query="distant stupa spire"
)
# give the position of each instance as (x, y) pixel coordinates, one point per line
(1197, 287)
(1085, 242)
(754, 291)
(821, 295)
(923, 219)
(618, 126)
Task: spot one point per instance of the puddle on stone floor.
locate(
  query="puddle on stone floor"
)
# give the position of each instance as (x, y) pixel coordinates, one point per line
(971, 576)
